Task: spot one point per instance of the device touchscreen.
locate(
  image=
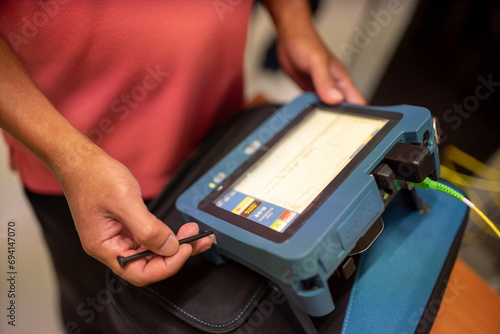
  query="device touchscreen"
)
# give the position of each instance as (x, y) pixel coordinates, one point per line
(280, 187)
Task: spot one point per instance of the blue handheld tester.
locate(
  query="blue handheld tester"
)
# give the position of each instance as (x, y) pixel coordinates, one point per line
(292, 200)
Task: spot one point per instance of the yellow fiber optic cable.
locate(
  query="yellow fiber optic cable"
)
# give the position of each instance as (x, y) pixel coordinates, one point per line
(430, 184)
(487, 220)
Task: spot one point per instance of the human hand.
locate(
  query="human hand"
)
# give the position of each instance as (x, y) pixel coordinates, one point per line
(305, 58)
(105, 199)
(112, 219)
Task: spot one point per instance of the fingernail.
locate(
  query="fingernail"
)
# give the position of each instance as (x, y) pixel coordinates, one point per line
(170, 247)
(196, 230)
(212, 236)
(204, 249)
(335, 95)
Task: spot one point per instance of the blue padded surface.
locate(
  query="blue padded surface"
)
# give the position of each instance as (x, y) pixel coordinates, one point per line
(396, 276)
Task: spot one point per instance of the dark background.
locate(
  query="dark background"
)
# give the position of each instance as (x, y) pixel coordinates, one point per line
(448, 46)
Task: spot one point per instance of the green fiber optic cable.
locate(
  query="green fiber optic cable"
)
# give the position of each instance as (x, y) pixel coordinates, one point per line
(430, 184)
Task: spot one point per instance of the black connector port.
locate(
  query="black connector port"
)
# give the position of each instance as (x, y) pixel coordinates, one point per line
(410, 162)
(385, 178)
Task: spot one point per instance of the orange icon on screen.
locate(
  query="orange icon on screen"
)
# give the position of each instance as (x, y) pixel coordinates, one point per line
(287, 216)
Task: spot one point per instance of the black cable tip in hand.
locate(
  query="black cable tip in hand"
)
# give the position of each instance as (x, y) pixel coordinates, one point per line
(122, 261)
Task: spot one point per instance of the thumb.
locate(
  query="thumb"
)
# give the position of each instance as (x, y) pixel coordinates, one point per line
(344, 83)
(324, 83)
(149, 231)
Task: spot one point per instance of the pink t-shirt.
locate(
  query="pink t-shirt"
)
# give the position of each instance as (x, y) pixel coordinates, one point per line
(145, 80)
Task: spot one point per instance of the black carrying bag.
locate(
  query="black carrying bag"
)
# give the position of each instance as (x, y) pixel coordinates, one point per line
(230, 298)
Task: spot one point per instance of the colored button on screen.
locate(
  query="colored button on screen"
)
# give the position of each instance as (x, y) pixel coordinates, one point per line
(278, 225)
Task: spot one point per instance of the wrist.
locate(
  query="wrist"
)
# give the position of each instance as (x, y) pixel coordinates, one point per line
(292, 18)
(72, 155)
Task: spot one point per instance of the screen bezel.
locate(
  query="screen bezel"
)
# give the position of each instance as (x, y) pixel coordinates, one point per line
(208, 203)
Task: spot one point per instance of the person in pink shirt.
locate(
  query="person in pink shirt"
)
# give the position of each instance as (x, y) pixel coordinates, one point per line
(101, 101)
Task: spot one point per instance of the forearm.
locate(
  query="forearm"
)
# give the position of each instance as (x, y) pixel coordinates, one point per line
(27, 115)
(305, 58)
(290, 17)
